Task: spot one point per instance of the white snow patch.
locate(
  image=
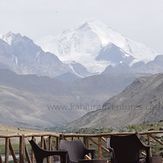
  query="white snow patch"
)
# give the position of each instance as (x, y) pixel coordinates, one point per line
(8, 37)
(75, 71)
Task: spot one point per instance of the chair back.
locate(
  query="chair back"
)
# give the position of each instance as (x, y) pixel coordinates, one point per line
(38, 152)
(126, 148)
(76, 149)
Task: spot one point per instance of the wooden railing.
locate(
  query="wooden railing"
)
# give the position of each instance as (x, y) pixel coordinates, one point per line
(17, 149)
(99, 141)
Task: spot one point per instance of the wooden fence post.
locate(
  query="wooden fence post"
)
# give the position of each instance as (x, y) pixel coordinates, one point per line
(49, 147)
(6, 150)
(99, 148)
(57, 140)
(42, 142)
(150, 151)
(12, 152)
(21, 149)
(85, 140)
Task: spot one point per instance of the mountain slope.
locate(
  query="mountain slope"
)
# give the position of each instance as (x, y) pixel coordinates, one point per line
(23, 56)
(33, 83)
(139, 102)
(6, 57)
(29, 100)
(103, 84)
(114, 54)
(52, 102)
(20, 108)
(79, 70)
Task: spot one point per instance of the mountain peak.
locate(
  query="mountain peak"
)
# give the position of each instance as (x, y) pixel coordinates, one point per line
(83, 44)
(104, 33)
(109, 36)
(93, 24)
(10, 36)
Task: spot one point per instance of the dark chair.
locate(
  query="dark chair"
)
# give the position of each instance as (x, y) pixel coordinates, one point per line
(76, 150)
(40, 154)
(127, 149)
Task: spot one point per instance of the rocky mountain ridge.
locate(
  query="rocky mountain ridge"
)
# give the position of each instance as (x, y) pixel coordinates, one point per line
(140, 102)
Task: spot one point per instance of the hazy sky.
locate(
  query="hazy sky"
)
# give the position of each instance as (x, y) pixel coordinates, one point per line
(141, 20)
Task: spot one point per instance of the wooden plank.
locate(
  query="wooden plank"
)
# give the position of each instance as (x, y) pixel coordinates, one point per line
(6, 150)
(27, 155)
(45, 147)
(45, 144)
(12, 152)
(104, 148)
(21, 149)
(156, 139)
(104, 139)
(42, 142)
(85, 140)
(49, 143)
(148, 139)
(93, 141)
(56, 143)
(49, 147)
(113, 133)
(99, 149)
(78, 135)
(30, 135)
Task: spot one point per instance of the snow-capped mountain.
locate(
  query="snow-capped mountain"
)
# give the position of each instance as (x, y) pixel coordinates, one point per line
(22, 55)
(83, 51)
(85, 43)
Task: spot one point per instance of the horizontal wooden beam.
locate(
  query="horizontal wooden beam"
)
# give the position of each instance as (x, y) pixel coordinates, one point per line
(113, 133)
(39, 134)
(156, 139)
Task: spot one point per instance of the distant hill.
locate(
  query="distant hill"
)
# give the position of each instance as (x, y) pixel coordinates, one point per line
(30, 100)
(35, 102)
(103, 84)
(140, 102)
(32, 83)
